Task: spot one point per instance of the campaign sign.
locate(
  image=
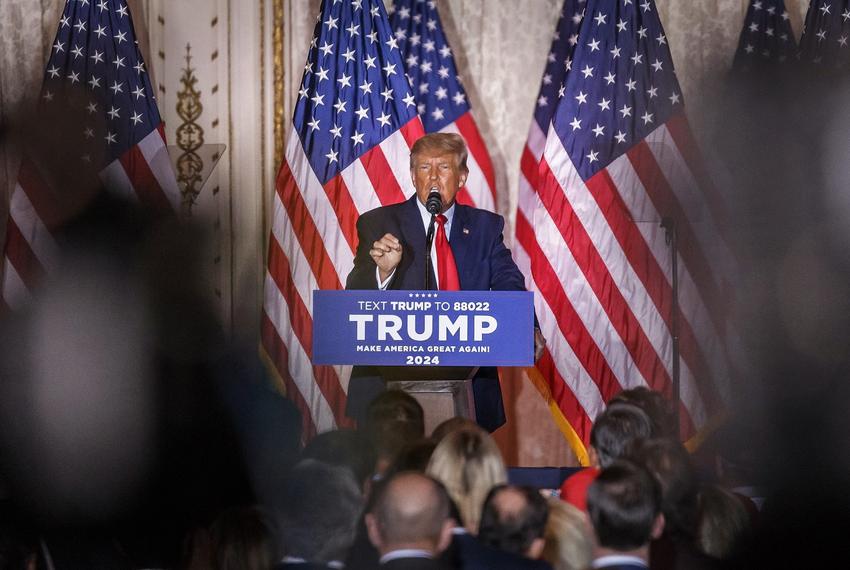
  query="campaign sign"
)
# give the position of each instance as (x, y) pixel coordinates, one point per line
(423, 328)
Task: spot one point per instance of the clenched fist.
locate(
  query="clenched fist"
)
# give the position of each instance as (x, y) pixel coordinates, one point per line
(386, 252)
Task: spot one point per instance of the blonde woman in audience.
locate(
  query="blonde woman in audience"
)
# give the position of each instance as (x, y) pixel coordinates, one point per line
(469, 464)
(724, 522)
(568, 544)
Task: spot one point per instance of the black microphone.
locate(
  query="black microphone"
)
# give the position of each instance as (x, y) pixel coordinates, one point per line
(434, 203)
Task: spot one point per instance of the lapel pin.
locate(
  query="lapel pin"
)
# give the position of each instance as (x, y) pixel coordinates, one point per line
(466, 231)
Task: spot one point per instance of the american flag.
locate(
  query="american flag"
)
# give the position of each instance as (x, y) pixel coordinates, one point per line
(440, 98)
(348, 152)
(826, 34)
(95, 71)
(766, 36)
(616, 159)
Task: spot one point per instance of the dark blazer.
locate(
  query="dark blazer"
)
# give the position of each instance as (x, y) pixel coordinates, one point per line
(303, 566)
(467, 553)
(483, 263)
(482, 260)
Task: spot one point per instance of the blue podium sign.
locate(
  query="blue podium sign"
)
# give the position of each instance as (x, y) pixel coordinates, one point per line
(423, 328)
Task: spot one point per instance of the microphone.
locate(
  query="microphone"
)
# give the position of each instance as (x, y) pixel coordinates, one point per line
(434, 203)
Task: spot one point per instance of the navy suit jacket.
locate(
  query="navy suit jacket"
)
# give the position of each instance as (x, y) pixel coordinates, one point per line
(483, 263)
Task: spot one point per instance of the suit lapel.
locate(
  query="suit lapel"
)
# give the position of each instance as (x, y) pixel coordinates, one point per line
(413, 235)
(459, 240)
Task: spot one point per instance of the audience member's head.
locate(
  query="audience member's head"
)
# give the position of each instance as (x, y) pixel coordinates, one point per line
(568, 544)
(614, 430)
(624, 504)
(321, 506)
(243, 539)
(345, 448)
(469, 464)
(513, 519)
(393, 419)
(669, 462)
(448, 426)
(410, 511)
(723, 522)
(660, 411)
(414, 456)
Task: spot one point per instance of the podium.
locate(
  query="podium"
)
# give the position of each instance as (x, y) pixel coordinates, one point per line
(427, 343)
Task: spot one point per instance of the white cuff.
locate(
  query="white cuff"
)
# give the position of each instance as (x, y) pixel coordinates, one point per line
(382, 285)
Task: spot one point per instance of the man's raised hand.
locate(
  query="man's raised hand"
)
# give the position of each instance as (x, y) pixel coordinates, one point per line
(386, 252)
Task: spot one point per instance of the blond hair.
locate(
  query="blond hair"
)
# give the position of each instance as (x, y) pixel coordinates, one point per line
(442, 143)
(568, 544)
(469, 464)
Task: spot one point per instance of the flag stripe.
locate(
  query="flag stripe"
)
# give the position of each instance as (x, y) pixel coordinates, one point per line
(302, 325)
(381, 176)
(478, 149)
(21, 257)
(279, 355)
(156, 155)
(39, 195)
(342, 204)
(38, 238)
(143, 180)
(15, 293)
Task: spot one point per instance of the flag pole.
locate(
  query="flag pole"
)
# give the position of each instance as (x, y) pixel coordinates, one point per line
(669, 225)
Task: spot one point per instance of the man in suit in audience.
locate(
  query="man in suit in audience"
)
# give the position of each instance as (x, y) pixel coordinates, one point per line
(319, 510)
(468, 254)
(513, 519)
(409, 522)
(624, 504)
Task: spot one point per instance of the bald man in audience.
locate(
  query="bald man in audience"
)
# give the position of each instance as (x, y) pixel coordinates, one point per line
(409, 523)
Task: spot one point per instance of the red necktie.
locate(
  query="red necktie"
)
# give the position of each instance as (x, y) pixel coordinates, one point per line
(446, 268)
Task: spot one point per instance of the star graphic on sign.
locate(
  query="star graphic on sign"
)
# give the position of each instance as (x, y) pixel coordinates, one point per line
(336, 131)
(598, 130)
(116, 87)
(409, 101)
(437, 113)
(581, 97)
(620, 136)
(74, 76)
(54, 72)
(362, 113)
(357, 138)
(603, 105)
(592, 157)
(314, 124)
(332, 156)
(384, 119)
(626, 111)
(121, 37)
(114, 113)
(647, 118)
(136, 118)
(387, 94)
(370, 62)
(575, 124)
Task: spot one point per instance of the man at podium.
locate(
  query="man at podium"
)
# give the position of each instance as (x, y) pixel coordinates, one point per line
(467, 253)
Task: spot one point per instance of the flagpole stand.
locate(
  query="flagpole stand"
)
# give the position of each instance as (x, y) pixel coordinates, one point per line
(668, 223)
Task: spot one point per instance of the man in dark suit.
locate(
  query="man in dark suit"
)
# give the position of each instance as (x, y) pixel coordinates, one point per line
(468, 253)
(409, 522)
(624, 504)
